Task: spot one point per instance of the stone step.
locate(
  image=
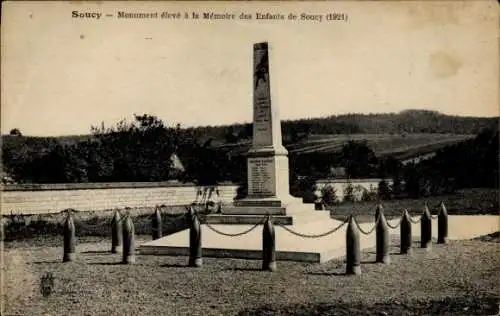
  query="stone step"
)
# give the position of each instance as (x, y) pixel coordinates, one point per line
(252, 210)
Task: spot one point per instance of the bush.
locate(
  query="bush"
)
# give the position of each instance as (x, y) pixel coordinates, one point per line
(304, 188)
(329, 195)
(369, 195)
(349, 192)
(384, 192)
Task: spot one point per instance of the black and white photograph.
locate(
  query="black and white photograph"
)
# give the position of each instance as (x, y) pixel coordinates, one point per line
(250, 158)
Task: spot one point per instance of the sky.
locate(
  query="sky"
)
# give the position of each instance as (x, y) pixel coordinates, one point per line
(60, 74)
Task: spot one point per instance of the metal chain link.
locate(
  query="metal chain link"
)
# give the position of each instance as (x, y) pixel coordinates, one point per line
(371, 230)
(395, 226)
(314, 235)
(412, 221)
(237, 234)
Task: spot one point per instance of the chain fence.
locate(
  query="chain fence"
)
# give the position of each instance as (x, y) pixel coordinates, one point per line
(314, 235)
(371, 230)
(235, 234)
(414, 221)
(395, 226)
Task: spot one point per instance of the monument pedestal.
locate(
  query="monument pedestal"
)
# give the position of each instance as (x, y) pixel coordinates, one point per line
(268, 194)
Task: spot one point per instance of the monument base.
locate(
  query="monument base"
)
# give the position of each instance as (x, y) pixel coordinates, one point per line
(263, 206)
(291, 247)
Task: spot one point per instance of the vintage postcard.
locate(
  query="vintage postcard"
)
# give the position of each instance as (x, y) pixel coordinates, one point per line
(250, 158)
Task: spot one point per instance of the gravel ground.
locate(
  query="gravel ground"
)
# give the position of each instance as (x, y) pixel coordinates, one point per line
(460, 278)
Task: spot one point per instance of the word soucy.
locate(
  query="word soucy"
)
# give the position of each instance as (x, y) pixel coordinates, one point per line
(86, 15)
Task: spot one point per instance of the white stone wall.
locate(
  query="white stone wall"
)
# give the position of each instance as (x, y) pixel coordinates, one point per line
(34, 199)
(340, 186)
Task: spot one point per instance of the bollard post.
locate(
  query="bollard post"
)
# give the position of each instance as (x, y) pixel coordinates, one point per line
(191, 212)
(69, 238)
(156, 224)
(268, 246)
(116, 233)
(128, 241)
(382, 238)
(406, 237)
(426, 229)
(353, 264)
(442, 225)
(378, 210)
(195, 258)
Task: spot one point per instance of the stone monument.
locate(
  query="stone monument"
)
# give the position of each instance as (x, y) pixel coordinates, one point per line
(267, 159)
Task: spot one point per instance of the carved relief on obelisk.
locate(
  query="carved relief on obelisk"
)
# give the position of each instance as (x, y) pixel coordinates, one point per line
(262, 124)
(267, 159)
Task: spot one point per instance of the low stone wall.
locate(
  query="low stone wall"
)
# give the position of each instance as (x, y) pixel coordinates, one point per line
(359, 185)
(51, 198)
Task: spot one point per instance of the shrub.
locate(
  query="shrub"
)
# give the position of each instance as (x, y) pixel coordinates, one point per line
(349, 192)
(329, 195)
(369, 195)
(384, 192)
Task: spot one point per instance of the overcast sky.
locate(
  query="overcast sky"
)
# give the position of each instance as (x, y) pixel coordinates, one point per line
(60, 75)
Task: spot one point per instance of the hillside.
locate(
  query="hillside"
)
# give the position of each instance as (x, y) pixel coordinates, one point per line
(402, 146)
(405, 122)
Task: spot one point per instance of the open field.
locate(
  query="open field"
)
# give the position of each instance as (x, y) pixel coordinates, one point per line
(459, 278)
(463, 202)
(401, 146)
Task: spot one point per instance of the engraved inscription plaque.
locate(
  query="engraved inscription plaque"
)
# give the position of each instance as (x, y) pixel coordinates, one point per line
(261, 175)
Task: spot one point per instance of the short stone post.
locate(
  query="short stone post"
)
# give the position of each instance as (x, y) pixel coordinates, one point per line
(69, 238)
(128, 241)
(156, 224)
(406, 237)
(426, 229)
(353, 262)
(382, 238)
(116, 233)
(442, 225)
(195, 255)
(268, 246)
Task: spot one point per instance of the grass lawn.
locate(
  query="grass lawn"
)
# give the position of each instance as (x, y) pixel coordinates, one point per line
(460, 278)
(463, 202)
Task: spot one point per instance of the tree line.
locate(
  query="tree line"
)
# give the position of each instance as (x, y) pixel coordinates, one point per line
(141, 150)
(408, 121)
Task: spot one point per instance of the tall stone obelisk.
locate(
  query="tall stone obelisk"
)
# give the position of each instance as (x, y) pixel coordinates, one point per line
(267, 160)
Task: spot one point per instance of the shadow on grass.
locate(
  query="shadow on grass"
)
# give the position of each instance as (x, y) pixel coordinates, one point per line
(245, 269)
(175, 265)
(457, 306)
(47, 262)
(98, 252)
(341, 274)
(116, 263)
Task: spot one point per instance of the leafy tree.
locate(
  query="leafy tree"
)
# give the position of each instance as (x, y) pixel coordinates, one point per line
(230, 137)
(15, 132)
(397, 187)
(384, 192)
(359, 159)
